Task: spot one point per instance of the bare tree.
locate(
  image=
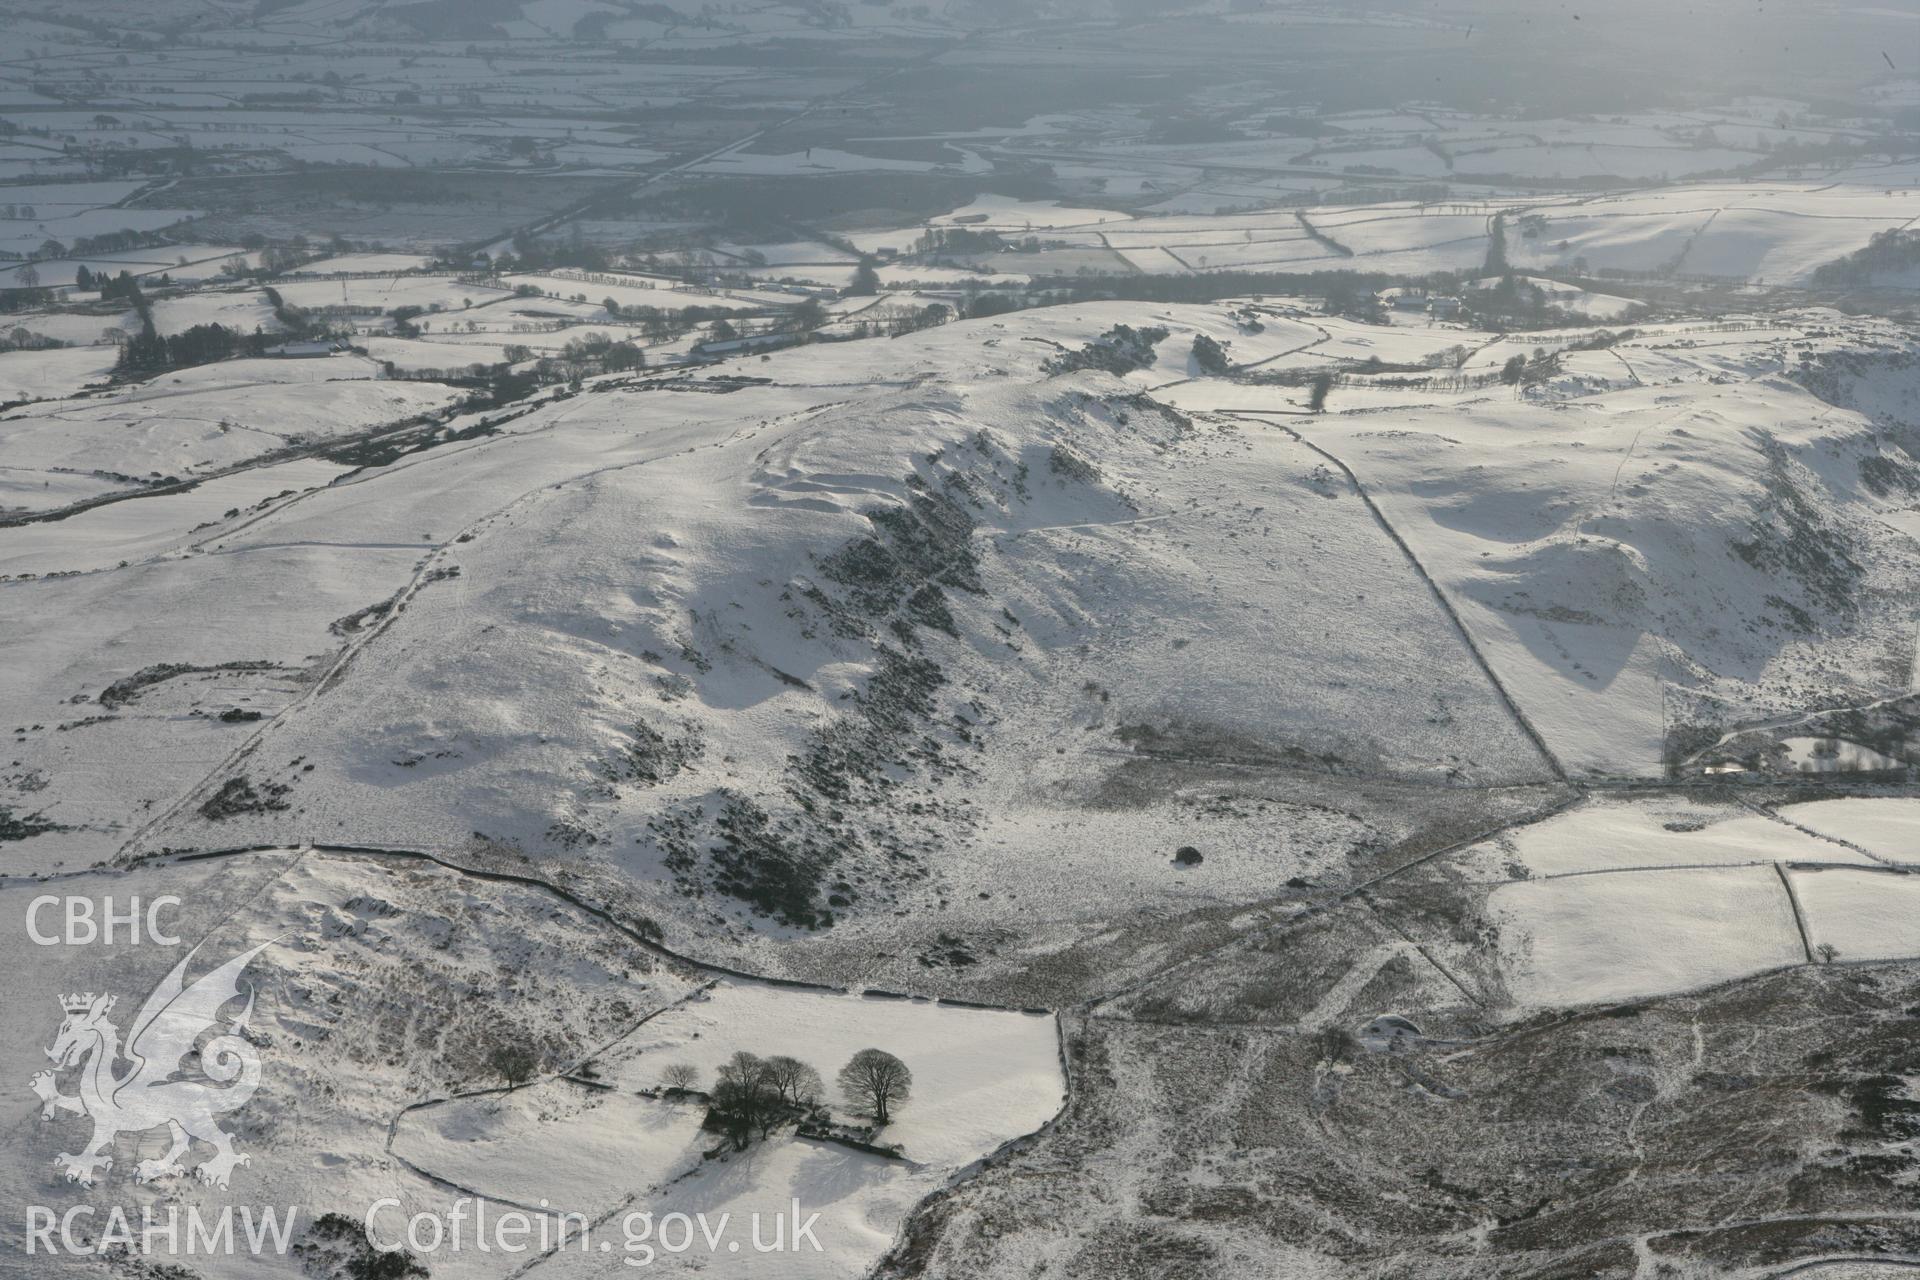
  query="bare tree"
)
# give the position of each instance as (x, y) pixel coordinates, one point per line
(681, 1075)
(799, 1084)
(866, 281)
(1317, 392)
(876, 1080)
(746, 1101)
(514, 1063)
(809, 315)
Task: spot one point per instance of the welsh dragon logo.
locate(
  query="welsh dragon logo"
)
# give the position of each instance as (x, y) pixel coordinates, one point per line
(153, 1091)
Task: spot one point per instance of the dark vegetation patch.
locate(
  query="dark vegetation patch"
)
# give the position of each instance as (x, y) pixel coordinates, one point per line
(1884, 1110)
(857, 811)
(1068, 465)
(1567, 1134)
(1121, 349)
(1894, 251)
(335, 1247)
(129, 688)
(759, 208)
(1890, 727)
(856, 760)
(15, 826)
(238, 796)
(776, 867)
(1320, 237)
(1188, 741)
(897, 574)
(1209, 356)
(844, 795)
(1879, 384)
(719, 384)
(360, 618)
(412, 436)
(1886, 476)
(651, 758)
(947, 951)
(1791, 537)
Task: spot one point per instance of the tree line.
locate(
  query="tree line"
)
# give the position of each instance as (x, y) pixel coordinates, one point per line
(752, 1097)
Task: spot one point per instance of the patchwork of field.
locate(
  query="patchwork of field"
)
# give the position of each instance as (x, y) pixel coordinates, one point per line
(61, 452)
(1888, 829)
(1016, 631)
(1529, 603)
(1761, 230)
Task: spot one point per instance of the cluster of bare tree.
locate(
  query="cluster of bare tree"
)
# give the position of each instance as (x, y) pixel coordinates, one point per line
(753, 1096)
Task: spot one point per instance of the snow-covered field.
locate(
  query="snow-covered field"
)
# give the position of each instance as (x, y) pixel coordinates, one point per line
(53, 375)
(1862, 915)
(1773, 231)
(1623, 898)
(1888, 828)
(980, 1078)
(204, 427)
(1614, 936)
(1624, 835)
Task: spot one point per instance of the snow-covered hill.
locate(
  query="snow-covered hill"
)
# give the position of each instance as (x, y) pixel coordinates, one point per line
(1022, 659)
(962, 635)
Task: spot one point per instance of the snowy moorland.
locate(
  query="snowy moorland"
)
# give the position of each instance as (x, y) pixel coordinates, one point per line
(1093, 638)
(915, 665)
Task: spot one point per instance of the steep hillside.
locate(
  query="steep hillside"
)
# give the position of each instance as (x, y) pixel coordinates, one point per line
(1648, 564)
(876, 652)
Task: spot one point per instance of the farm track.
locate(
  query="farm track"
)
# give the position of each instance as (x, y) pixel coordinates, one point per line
(1373, 909)
(1859, 1259)
(1092, 1004)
